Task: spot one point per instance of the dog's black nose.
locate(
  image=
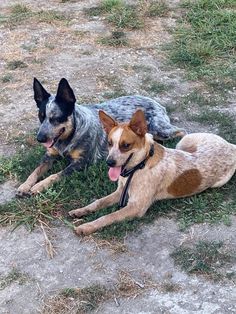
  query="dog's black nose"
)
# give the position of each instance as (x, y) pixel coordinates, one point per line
(111, 162)
(41, 138)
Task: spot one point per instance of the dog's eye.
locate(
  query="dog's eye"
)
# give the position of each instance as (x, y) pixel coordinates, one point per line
(125, 145)
(109, 143)
(53, 120)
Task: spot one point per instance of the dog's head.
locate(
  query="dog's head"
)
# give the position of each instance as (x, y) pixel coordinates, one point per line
(55, 112)
(126, 141)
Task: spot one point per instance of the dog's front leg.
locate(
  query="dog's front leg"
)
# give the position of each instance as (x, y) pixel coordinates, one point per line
(45, 165)
(104, 202)
(129, 211)
(44, 184)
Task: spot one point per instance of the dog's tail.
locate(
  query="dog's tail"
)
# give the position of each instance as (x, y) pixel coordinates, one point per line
(166, 133)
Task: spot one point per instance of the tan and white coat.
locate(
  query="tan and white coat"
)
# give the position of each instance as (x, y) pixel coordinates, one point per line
(200, 161)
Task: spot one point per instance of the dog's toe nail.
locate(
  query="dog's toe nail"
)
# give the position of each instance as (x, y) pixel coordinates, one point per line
(78, 231)
(21, 194)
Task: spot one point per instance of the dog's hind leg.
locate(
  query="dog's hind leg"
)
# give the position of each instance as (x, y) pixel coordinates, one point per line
(104, 202)
(45, 165)
(224, 180)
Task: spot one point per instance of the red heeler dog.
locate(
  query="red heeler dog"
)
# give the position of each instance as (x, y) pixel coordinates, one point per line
(149, 172)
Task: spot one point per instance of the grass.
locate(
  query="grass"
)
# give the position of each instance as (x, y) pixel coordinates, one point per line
(82, 300)
(170, 287)
(142, 68)
(225, 122)
(197, 99)
(50, 16)
(109, 5)
(19, 9)
(205, 258)
(113, 86)
(87, 299)
(106, 6)
(122, 15)
(7, 78)
(116, 39)
(118, 13)
(14, 276)
(81, 188)
(20, 13)
(16, 64)
(204, 41)
(155, 87)
(206, 111)
(125, 16)
(157, 8)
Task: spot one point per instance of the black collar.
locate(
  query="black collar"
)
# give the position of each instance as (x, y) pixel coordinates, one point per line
(129, 173)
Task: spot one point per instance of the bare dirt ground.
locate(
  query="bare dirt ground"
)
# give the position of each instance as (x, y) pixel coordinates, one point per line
(69, 48)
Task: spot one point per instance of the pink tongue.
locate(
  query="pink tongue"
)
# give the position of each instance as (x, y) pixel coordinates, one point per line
(48, 143)
(114, 173)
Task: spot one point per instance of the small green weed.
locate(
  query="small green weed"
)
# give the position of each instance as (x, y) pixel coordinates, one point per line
(50, 16)
(155, 87)
(69, 293)
(169, 287)
(143, 68)
(117, 39)
(157, 8)
(118, 13)
(14, 276)
(109, 5)
(84, 300)
(206, 258)
(7, 78)
(16, 64)
(20, 13)
(106, 6)
(19, 9)
(125, 17)
(113, 84)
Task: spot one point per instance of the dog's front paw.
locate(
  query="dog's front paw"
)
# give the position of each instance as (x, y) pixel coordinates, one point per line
(44, 184)
(85, 229)
(77, 213)
(23, 190)
(38, 187)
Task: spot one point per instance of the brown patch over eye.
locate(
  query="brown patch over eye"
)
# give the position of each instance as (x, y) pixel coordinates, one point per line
(129, 140)
(124, 147)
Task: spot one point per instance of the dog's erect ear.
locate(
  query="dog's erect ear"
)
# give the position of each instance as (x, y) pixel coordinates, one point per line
(65, 97)
(138, 123)
(107, 122)
(40, 93)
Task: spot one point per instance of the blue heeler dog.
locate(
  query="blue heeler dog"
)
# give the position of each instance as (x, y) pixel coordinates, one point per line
(74, 131)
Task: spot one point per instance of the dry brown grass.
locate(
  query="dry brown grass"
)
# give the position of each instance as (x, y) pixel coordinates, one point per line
(76, 300)
(114, 246)
(128, 286)
(85, 300)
